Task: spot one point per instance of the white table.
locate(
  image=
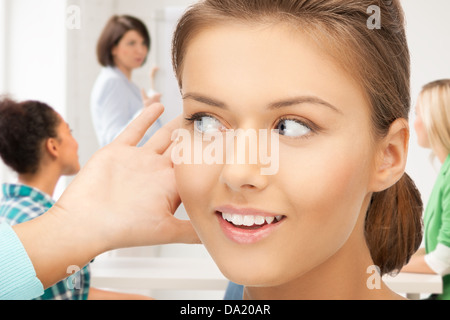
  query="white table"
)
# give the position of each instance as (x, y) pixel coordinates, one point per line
(203, 274)
(414, 284)
(157, 273)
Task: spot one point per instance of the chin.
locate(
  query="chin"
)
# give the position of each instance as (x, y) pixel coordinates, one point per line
(251, 271)
(72, 171)
(250, 279)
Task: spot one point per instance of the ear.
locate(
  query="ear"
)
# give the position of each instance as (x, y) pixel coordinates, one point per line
(391, 156)
(52, 147)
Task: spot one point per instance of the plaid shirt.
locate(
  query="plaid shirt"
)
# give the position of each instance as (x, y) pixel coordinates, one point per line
(21, 203)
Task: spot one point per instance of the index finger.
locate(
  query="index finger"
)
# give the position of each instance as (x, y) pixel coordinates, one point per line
(162, 139)
(136, 130)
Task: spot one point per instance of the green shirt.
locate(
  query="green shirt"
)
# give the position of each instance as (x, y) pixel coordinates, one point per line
(437, 219)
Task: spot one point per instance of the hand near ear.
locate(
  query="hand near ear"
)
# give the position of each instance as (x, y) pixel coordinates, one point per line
(125, 196)
(132, 190)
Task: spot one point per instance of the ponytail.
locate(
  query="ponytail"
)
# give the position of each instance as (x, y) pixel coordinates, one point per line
(393, 225)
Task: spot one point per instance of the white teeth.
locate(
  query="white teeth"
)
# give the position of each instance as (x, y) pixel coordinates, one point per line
(249, 221)
(240, 220)
(237, 220)
(269, 220)
(260, 220)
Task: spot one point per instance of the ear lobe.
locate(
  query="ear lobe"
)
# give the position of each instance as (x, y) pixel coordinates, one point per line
(392, 156)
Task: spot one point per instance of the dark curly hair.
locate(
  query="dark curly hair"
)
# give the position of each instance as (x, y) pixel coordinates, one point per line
(24, 127)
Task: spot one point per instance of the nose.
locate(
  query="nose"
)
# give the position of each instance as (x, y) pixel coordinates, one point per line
(243, 167)
(242, 170)
(243, 177)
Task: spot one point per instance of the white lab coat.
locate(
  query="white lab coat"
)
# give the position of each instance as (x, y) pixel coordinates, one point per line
(115, 102)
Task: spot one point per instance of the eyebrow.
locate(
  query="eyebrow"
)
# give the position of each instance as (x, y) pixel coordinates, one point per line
(274, 105)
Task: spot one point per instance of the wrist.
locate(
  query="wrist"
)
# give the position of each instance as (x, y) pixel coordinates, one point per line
(80, 231)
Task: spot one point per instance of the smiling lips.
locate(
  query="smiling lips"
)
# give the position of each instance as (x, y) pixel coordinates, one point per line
(246, 226)
(249, 220)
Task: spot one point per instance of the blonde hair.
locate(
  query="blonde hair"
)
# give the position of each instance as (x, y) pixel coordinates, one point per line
(377, 59)
(434, 102)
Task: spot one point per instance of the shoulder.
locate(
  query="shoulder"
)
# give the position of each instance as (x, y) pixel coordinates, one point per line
(20, 210)
(110, 75)
(109, 82)
(22, 203)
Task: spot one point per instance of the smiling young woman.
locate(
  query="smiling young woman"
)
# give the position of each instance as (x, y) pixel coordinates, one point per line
(338, 94)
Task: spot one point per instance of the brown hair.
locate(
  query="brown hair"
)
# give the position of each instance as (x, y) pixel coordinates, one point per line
(113, 32)
(377, 58)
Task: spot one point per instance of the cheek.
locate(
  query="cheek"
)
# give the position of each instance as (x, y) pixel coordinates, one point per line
(195, 183)
(328, 173)
(325, 195)
(326, 189)
(421, 133)
(123, 52)
(75, 145)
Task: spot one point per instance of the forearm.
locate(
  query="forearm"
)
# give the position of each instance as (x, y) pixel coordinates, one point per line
(54, 242)
(98, 294)
(417, 264)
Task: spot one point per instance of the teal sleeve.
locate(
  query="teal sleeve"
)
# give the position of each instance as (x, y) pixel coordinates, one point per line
(18, 279)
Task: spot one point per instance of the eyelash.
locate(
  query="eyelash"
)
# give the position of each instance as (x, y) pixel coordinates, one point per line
(197, 116)
(190, 120)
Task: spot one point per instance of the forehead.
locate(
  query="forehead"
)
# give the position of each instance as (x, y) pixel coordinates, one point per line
(262, 63)
(132, 35)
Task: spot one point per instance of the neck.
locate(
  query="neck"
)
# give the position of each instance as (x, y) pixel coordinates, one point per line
(43, 181)
(333, 280)
(126, 71)
(441, 153)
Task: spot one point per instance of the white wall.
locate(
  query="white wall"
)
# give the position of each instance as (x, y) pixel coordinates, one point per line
(33, 57)
(4, 174)
(3, 26)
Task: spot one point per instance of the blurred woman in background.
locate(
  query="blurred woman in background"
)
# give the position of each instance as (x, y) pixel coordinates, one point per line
(433, 132)
(123, 46)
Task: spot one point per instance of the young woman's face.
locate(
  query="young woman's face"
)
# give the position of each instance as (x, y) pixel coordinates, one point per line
(271, 77)
(68, 147)
(131, 51)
